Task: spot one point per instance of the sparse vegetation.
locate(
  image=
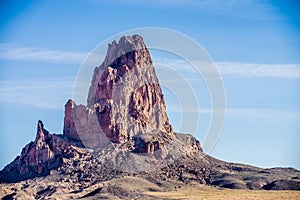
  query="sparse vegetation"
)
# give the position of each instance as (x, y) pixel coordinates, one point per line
(209, 193)
(130, 187)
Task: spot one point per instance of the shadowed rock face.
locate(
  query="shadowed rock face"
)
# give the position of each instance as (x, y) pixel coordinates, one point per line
(124, 100)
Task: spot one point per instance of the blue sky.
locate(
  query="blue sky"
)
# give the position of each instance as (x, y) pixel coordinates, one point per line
(254, 44)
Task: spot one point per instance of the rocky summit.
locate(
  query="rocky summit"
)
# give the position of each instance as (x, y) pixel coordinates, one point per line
(121, 143)
(125, 101)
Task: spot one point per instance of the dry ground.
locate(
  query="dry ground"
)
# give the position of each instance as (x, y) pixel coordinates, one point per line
(139, 188)
(217, 194)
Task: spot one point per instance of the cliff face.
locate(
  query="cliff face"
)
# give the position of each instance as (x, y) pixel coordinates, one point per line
(125, 109)
(39, 157)
(124, 101)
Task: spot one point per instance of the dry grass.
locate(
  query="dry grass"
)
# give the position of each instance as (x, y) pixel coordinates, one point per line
(227, 194)
(144, 189)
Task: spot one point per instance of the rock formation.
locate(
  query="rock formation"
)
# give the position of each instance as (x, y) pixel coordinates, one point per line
(124, 101)
(123, 133)
(39, 157)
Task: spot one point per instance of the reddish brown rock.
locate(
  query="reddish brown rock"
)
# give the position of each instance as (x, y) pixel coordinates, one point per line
(87, 129)
(38, 157)
(125, 106)
(124, 100)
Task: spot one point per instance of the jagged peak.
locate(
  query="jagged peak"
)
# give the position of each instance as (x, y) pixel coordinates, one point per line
(124, 99)
(126, 47)
(70, 103)
(40, 125)
(41, 133)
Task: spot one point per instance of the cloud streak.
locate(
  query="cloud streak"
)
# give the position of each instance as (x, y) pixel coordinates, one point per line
(51, 94)
(244, 110)
(13, 52)
(259, 70)
(226, 68)
(230, 69)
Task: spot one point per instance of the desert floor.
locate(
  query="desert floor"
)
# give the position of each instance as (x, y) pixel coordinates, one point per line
(208, 193)
(136, 188)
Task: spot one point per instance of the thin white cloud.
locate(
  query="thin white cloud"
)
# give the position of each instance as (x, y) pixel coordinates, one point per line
(13, 52)
(51, 94)
(226, 68)
(259, 70)
(241, 110)
(229, 69)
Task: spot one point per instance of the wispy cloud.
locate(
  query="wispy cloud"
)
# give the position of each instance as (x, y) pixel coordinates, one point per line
(226, 68)
(51, 94)
(14, 52)
(235, 69)
(259, 70)
(242, 110)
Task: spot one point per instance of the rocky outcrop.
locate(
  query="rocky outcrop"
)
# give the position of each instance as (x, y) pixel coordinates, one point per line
(283, 185)
(39, 157)
(124, 100)
(126, 124)
(81, 124)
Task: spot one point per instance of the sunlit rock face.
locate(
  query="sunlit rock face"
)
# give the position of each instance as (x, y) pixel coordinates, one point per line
(39, 157)
(124, 101)
(125, 113)
(128, 137)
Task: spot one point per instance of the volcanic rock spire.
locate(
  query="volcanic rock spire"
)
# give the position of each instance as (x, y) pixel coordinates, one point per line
(38, 157)
(125, 112)
(125, 101)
